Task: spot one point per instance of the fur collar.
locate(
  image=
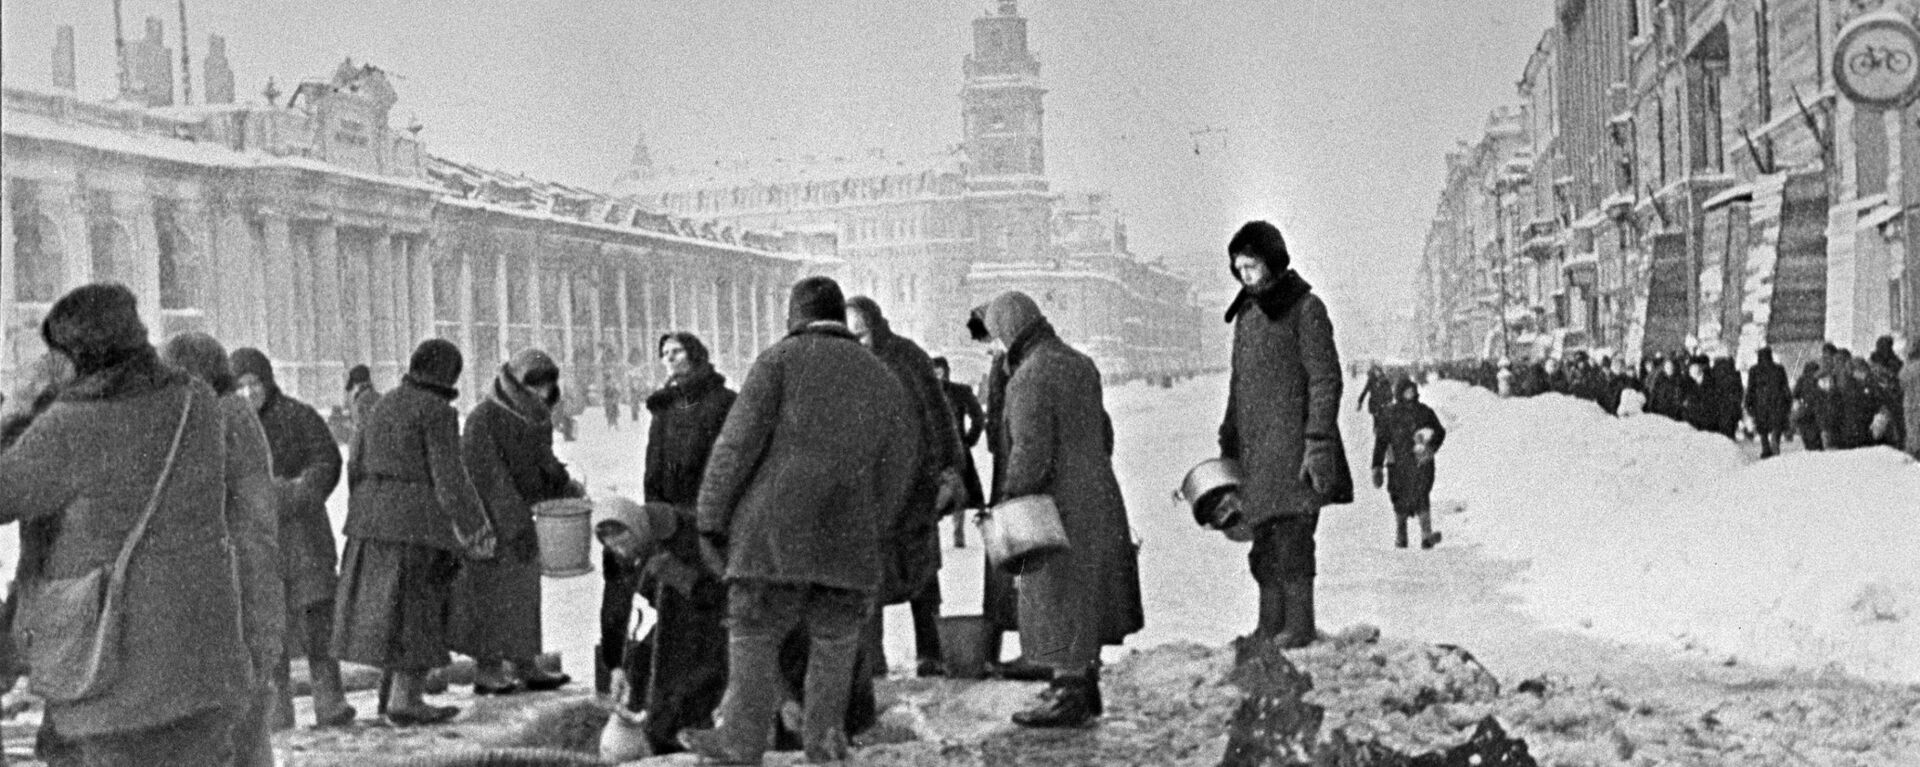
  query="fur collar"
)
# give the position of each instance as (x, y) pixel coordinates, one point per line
(831, 328)
(1036, 333)
(509, 393)
(137, 373)
(1276, 302)
(691, 387)
(447, 393)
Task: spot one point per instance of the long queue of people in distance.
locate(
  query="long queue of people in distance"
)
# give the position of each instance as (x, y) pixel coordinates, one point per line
(1839, 402)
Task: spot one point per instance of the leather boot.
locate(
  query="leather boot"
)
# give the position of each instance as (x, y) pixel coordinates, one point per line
(407, 708)
(1298, 599)
(1068, 702)
(330, 707)
(1427, 536)
(1273, 611)
(1399, 531)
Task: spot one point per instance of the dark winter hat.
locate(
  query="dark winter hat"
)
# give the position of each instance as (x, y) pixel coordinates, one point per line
(1766, 354)
(696, 349)
(868, 308)
(1404, 385)
(358, 375)
(815, 299)
(1011, 314)
(942, 363)
(1261, 240)
(202, 357)
(532, 367)
(95, 325)
(247, 360)
(436, 361)
(977, 324)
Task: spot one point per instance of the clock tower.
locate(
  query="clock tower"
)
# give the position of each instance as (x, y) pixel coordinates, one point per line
(1006, 183)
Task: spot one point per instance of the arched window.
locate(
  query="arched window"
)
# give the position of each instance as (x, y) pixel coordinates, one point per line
(179, 277)
(40, 260)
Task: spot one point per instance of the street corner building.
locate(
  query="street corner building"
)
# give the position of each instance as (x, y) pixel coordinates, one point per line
(312, 225)
(1680, 176)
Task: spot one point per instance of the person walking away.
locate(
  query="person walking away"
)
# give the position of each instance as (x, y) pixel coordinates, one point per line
(1060, 445)
(610, 401)
(1405, 439)
(914, 574)
(306, 468)
(1377, 394)
(412, 511)
(1282, 425)
(1769, 401)
(360, 395)
(816, 453)
(128, 438)
(969, 421)
(682, 665)
(1910, 397)
(253, 525)
(679, 669)
(508, 452)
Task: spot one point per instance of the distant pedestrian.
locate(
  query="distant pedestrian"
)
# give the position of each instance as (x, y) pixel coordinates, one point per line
(1060, 445)
(412, 512)
(1283, 425)
(1726, 396)
(969, 422)
(610, 402)
(360, 395)
(508, 451)
(1910, 396)
(817, 451)
(306, 469)
(1884, 356)
(1769, 401)
(1406, 436)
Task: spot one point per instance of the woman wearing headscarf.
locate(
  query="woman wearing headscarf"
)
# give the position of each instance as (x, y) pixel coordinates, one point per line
(412, 511)
(253, 520)
(508, 451)
(1059, 443)
(130, 433)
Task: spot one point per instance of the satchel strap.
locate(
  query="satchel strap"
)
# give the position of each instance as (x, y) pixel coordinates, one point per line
(153, 502)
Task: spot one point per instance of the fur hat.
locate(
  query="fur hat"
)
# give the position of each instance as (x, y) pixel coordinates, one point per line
(95, 325)
(436, 361)
(815, 299)
(532, 367)
(359, 374)
(247, 360)
(202, 357)
(977, 324)
(1261, 240)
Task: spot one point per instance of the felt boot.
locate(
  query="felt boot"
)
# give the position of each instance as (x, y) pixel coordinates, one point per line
(1273, 611)
(1298, 599)
(1068, 702)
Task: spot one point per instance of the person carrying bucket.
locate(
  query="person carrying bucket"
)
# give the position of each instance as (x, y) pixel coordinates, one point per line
(1405, 437)
(508, 451)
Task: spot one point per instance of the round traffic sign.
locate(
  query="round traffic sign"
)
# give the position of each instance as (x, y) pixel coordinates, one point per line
(1876, 60)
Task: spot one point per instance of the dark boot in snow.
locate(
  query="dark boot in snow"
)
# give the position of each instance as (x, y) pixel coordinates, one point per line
(1428, 538)
(1300, 631)
(1068, 702)
(1273, 611)
(1399, 531)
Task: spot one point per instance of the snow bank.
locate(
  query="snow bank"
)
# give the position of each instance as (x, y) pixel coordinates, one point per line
(1645, 530)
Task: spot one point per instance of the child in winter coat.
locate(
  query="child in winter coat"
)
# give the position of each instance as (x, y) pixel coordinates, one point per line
(1405, 437)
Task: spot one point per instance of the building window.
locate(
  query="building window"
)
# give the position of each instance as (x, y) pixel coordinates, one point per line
(107, 241)
(178, 276)
(41, 263)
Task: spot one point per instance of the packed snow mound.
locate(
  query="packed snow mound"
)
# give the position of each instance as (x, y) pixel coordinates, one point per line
(1646, 530)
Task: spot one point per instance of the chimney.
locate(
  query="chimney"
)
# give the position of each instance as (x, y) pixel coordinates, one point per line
(218, 80)
(63, 77)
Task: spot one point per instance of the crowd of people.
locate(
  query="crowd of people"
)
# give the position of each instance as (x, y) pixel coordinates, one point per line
(177, 550)
(1840, 401)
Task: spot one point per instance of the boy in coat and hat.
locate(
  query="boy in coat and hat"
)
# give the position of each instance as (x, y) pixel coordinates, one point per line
(1405, 437)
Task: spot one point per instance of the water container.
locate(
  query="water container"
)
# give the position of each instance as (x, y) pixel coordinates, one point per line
(565, 529)
(963, 645)
(1021, 528)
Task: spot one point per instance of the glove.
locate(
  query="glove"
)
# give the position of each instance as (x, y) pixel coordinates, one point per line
(1317, 471)
(481, 546)
(1379, 476)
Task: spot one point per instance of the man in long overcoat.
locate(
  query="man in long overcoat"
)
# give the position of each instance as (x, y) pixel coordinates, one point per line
(815, 457)
(914, 572)
(1282, 425)
(79, 478)
(1059, 443)
(306, 469)
(1769, 400)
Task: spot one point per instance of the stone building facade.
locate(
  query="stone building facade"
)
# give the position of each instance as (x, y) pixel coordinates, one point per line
(322, 234)
(931, 237)
(1698, 185)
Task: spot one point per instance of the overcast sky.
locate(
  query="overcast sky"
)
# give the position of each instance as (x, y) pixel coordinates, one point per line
(1336, 113)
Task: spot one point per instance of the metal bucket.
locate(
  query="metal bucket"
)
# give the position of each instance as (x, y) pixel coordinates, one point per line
(1021, 528)
(963, 645)
(1204, 487)
(565, 531)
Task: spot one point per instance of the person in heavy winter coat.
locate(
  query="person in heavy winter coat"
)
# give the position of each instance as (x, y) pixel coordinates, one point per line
(1698, 405)
(969, 422)
(80, 478)
(1769, 401)
(306, 469)
(412, 510)
(35, 390)
(508, 451)
(1377, 394)
(1000, 600)
(1883, 355)
(913, 574)
(687, 413)
(1910, 397)
(1723, 380)
(253, 522)
(814, 461)
(1060, 444)
(1405, 437)
(1282, 425)
(1809, 399)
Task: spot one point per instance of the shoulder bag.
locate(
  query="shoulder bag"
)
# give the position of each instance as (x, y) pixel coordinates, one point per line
(68, 629)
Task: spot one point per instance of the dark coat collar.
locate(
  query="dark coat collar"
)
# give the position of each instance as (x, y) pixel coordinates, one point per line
(1276, 302)
(510, 393)
(139, 372)
(1037, 333)
(447, 393)
(824, 328)
(689, 388)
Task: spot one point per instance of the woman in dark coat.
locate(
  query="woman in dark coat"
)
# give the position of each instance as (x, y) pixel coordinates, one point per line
(79, 478)
(1769, 401)
(1000, 600)
(253, 520)
(508, 451)
(1403, 460)
(1809, 401)
(412, 511)
(1728, 396)
(1060, 444)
